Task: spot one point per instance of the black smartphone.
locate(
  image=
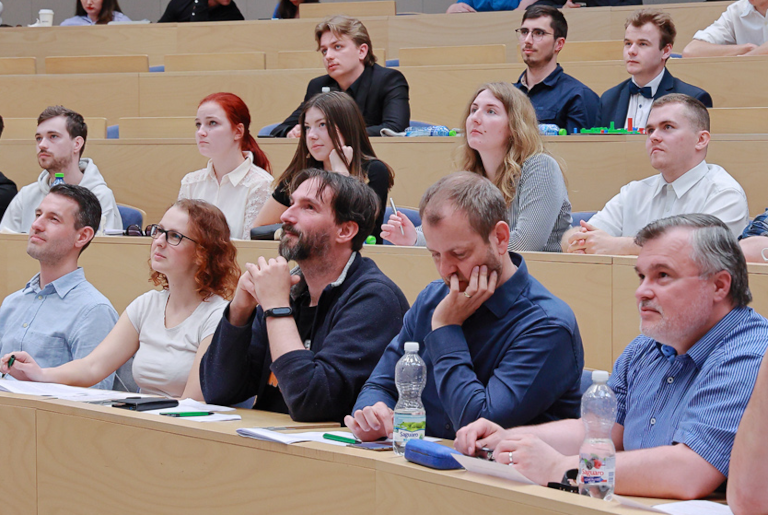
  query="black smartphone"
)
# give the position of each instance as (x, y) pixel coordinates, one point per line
(372, 446)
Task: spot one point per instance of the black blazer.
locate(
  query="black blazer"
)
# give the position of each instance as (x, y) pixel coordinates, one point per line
(615, 102)
(7, 192)
(381, 94)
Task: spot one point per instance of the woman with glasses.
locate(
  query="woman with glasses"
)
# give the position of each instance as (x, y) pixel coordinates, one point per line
(334, 138)
(501, 141)
(168, 330)
(237, 179)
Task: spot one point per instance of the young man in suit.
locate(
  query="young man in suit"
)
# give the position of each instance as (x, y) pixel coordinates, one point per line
(381, 93)
(648, 38)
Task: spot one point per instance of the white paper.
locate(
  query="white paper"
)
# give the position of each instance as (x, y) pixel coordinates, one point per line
(694, 508)
(193, 405)
(491, 468)
(625, 501)
(60, 391)
(286, 438)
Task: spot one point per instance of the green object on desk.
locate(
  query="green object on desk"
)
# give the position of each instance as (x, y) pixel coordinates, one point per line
(329, 436)
(10, 363)
(188, 414)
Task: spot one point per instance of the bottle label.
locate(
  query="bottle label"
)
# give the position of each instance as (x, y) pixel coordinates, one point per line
(596, 469)
(409, 427)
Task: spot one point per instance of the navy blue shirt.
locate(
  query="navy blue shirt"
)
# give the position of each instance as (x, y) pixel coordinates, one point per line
(562, 100)
(517, 360)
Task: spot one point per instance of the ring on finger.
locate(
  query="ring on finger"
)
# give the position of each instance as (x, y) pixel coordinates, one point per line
(510, 457)
(467, 295)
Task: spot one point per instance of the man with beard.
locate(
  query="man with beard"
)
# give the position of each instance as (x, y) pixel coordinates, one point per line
(496, 343)
(61, 135)
(682, 386)
(557, 97)
(304, 342)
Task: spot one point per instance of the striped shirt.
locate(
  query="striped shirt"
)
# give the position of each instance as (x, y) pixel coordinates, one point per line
(696, 398)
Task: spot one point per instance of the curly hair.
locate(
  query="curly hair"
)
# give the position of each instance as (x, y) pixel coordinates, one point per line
(215, 255)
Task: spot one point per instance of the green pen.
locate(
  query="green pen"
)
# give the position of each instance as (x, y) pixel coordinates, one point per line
(329, 436)
(10, 363)
(188, 414)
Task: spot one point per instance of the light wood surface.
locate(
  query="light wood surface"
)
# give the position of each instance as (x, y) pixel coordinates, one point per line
(292, 59)
(18, 489)
(215, 62)
(24, 128)
(590, 51)
(450, 55)
(739, 120)
(354, 9)
(157, 128)
(97, 64)
(18, 66)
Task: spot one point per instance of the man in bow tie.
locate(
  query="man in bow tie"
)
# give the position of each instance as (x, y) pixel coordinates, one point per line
(648, 38)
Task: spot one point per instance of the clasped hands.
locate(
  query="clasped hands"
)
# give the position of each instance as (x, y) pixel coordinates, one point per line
(588, 239)
(265, 283)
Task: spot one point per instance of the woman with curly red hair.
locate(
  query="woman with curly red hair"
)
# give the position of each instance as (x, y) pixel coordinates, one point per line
(169, 330)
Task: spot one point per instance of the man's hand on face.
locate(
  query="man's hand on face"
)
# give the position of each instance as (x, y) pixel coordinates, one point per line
(457, 306)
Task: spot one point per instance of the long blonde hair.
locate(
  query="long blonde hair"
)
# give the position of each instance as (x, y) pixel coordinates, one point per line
(524, 140)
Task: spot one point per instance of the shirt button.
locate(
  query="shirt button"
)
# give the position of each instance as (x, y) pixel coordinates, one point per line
(448, 427)
(39, 297)
(24, 324)
(653, 421)
(670, 379)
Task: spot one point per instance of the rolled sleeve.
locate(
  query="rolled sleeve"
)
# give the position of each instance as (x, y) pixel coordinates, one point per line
(721, 32)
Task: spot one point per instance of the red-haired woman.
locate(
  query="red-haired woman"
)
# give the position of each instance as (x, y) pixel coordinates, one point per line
(237, 179)
(169, 330)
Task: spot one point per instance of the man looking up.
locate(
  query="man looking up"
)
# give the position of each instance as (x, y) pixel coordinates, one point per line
(681, 386)
(381, 93)
(649, 35)
(678, 137)
(740, 30)
(496, 343)
(60, 136)
(558, 98)
(304, 344)
(59, 316)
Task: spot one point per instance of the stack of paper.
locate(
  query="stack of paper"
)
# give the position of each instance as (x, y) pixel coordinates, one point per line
(60, 391)
(188, 405)
(310, 436)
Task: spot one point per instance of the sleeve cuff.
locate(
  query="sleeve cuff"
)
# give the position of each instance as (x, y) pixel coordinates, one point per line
(446, 340)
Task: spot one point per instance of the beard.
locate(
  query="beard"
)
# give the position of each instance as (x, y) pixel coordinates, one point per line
(56, 164)
(672, 328)
(306, 246)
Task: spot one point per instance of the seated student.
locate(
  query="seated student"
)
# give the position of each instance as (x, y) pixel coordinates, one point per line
(497, 344)
(180, 11)
(558, 98)
(61, 135)
(193, 260)
(754, 239)
(7, 187)
(538, 210)
(286, 9)
(59, 316)
(648, 38)
(681, 386)
(333, 138)
(95, 12)
(740, 30)
(678, 136)
(304, 344)
(237, 179)
(473, 6)
(381, 93)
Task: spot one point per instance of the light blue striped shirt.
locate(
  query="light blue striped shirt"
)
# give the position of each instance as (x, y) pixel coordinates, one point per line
(696, 398)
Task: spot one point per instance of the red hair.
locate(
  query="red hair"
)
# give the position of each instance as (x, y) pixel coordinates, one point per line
(237, 113)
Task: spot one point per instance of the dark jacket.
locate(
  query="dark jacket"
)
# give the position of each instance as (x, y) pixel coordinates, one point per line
(7, 192)
(179, 11)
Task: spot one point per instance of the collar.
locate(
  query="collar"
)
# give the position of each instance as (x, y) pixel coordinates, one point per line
(748, 9)
(236, 175)
(686, 181)
(299, 289)
(62, 286)
(355, 86)
(550, 81)
(704, 347)
(653, 84)
(505, 297)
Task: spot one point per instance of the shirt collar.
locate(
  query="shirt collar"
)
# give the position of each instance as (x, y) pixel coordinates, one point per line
(704, 347)
(352, 89)
(685, 182)
(550, 81)
(62, 286)
(505, 296)
(653, 84)
(301, 287)
(236, 175)
(747, 9)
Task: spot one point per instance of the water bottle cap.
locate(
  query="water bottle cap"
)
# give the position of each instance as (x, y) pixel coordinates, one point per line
(599, 376)
(370, 240)
(411, 346)
(58, 174)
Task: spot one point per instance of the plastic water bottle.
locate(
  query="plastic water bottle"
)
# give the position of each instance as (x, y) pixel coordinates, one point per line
(58, 178)
(597, 456)
(410, 416)
(548, 129)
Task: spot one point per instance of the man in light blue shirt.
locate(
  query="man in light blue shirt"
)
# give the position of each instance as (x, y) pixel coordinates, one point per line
(59, 316)
(682, 386)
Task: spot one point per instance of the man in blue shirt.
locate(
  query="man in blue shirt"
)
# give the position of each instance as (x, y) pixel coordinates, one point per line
(682, 386)
(59, 316)
(496, 343)
(558, 98)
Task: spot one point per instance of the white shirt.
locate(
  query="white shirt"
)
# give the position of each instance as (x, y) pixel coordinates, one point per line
(640, 107)
(704, 188)
(739, 24)
(166, 355)
(241, 194)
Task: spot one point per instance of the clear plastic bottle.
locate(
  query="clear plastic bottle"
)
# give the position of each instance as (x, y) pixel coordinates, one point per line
(410, 417)
(58, 178)
(597, 456)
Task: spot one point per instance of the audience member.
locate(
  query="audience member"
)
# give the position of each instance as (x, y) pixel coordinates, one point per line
(473, 6)
(649, 35)
(319, 332)
(58, 316)
(95, 12)
(61, 135)
(181, 11)
(754, 239)
(558, 98)
(193, 260)
(740, 30)
(286, 9)
(502, 142)
(497, 344)
(678, 136)
(681, 386)
(237, 179)
(333, 138)
(380, 93)
(7, 187)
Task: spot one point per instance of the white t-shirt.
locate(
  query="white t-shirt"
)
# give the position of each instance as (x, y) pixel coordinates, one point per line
(739, 24)
(165, 356)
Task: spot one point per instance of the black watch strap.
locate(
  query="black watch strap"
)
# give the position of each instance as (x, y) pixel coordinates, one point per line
(278, 312)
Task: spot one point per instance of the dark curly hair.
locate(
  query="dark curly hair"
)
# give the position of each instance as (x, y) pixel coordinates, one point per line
(217, 269)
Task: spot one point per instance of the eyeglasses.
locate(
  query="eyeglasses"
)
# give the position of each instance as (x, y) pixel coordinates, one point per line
(172, 237)
(537, 34)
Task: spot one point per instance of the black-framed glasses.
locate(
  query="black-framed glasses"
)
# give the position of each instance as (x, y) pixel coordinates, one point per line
(536, 34)
(172, 237)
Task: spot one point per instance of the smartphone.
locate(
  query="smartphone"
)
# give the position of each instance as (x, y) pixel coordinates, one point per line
(372, 446)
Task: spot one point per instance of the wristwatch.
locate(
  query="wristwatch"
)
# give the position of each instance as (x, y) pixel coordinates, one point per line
(278, 312)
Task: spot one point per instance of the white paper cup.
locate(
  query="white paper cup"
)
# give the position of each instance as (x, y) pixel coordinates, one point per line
(46, 17)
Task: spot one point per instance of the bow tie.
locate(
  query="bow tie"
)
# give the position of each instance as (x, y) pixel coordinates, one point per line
(634, 90)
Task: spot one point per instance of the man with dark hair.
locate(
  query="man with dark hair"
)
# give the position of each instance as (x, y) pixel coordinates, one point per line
(381, 93)
(61, 135)
(304, 342)
(558, 98)
(182, 11)
(649, 35)
(682, 386)
(497, 344)
(7, 187)
(59, 316)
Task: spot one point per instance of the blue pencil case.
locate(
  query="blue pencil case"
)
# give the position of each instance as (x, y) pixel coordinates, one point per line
(431, 454)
